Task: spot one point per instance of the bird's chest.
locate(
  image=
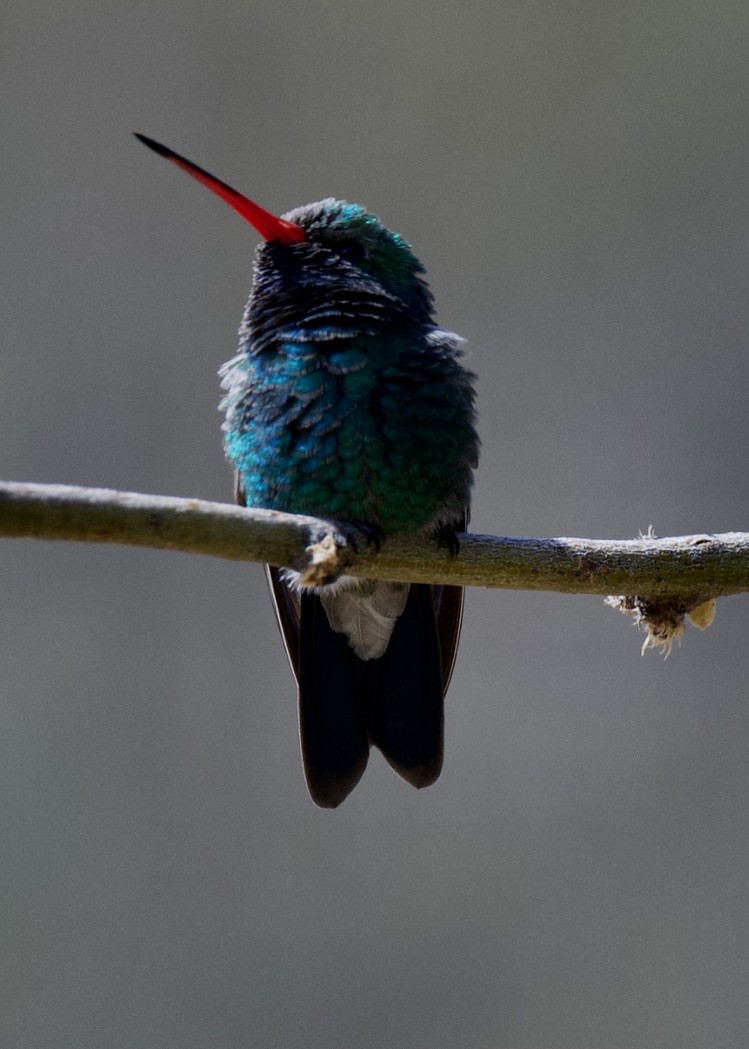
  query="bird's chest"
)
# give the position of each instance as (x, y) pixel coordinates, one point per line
(337, 424)
(329, 432)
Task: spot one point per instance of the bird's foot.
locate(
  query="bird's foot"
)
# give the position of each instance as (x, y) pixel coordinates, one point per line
(364, 533)
(448, 538)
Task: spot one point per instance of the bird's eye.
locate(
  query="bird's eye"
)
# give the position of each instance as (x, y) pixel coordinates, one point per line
(352, 251)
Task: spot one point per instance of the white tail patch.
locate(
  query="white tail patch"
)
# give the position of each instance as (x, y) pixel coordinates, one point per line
(366, 613)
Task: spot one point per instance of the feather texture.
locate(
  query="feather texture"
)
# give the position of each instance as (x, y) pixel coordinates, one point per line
(347, 401)
(366, 613)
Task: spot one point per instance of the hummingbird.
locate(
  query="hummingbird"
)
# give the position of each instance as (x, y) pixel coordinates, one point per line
(346, 401)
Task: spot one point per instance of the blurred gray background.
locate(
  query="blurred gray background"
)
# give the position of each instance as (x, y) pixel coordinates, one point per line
(574, 177)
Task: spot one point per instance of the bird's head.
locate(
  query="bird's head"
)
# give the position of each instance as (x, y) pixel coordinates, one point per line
(330, 239)
(353, 234)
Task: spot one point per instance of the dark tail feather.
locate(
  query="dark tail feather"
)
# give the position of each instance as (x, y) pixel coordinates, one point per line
(405, 708)
(332, 720)
(396, 702)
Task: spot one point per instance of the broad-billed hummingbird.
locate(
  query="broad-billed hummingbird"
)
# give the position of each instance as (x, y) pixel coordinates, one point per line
(346, 401)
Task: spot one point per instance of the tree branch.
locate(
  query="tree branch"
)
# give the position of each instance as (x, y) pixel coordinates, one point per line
(684, 571)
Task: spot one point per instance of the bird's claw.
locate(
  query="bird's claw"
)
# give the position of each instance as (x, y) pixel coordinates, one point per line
(448, 538)
(366, 532)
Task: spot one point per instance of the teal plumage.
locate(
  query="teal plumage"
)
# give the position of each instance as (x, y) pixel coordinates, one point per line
(347, 401)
